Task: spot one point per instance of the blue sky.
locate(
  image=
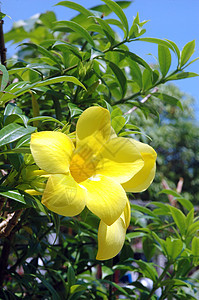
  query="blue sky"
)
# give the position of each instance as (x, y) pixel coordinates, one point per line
(176, 20)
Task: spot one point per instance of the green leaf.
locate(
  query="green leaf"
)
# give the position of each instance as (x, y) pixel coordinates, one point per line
(76, 7)
(2, 15)
(106, 10)
(118, 123)
(193, 228)
(136, 72)
(45, 119)
(146, 80)
(195, 249)
(168, 99)
(13, 132)
(4, 77)
(187, 52)
(121, 78)
(164, 57)
(48, 82)
(64, 46)
(75, 27)
(108, 31)
(156, 41)
(119, 12)
(14, 195)
(71, 276)
(43, 51)
(190, 218)
(148, 247)
(148, 270)
(135, 58)
(173, 247)
(182, 75)
(48, 18)
(74, 109)
(176, 49)
(186, 203)
(179, 218)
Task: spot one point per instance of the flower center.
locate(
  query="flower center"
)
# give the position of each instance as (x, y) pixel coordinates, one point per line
(82, 167)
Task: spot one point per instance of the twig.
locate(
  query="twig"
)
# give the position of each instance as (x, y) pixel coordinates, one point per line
(142, 101)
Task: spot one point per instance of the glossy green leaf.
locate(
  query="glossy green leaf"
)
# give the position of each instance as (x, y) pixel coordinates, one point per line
(187, 52)
(13, 194)
(75, 27)
(119, 12)
(170, 100)
(4, 77)
(179, 218)
(164, 58)
(13, 132)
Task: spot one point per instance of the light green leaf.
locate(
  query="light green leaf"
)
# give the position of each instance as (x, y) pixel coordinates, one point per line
(108, 31)
(187, 52)
(186, 203)
(13, 132)
(164, 57)
(195, 249)
(119, 12)
(106, 10)
(75, 27)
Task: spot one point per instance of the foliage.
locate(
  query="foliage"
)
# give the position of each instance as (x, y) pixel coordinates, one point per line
(61, 68)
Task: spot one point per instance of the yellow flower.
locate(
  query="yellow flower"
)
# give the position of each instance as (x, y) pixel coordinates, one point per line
(94, 173)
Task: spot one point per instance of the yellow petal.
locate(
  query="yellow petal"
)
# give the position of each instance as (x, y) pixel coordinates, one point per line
(105, 198)
(51, 151)
(63, 195)
(111, 238)
(93, 128)
(120, 159)
(127, 214)
(142, 180)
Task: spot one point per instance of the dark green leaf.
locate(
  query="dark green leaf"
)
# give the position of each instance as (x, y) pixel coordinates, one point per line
(106, 10)
(164, 57)
(13, 194)
(135, 58)
(187, 52)
(71, 276)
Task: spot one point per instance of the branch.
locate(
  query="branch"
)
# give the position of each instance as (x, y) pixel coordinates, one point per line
(9, 223)
(2, 45)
